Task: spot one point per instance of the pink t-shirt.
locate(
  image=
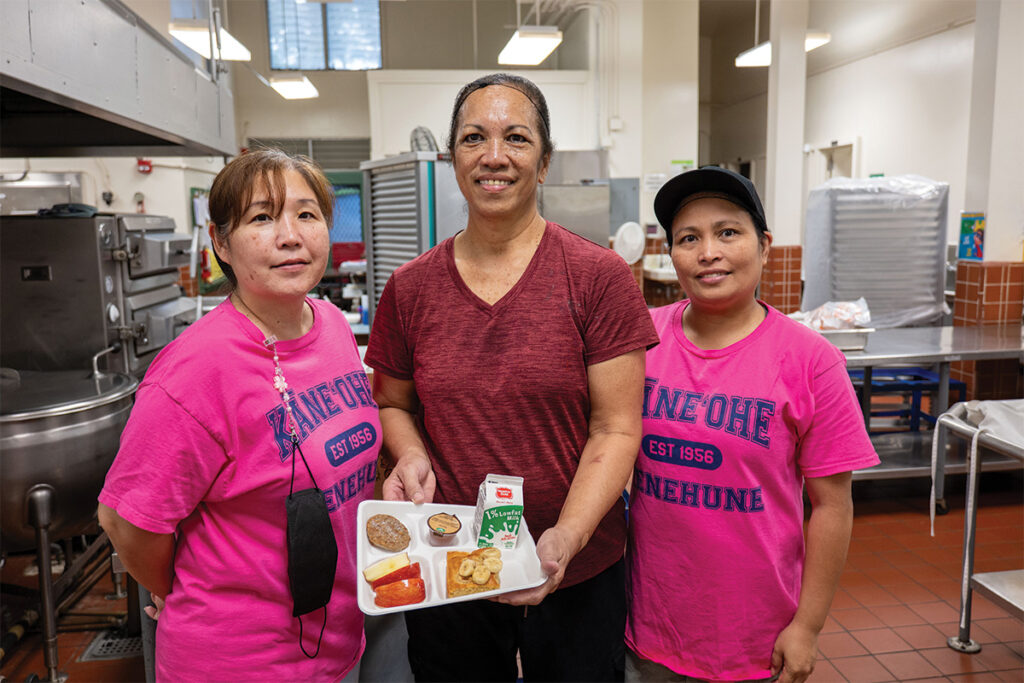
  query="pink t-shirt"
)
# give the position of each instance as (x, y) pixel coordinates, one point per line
(716, 513)
(503, 388)
(205, 455)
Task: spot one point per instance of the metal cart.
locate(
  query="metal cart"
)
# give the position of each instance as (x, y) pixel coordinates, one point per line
(1005, 588)
(905, 454)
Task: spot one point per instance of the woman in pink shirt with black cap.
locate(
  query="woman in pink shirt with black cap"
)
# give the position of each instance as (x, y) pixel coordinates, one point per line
(743, 407)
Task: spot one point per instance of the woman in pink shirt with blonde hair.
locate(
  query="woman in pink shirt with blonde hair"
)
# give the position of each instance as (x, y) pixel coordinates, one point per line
(743, 408)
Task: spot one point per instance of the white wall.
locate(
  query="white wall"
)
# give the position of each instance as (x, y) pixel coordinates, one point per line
(617, 58)
(569, 95)
(740, 132)
(671, 78)
(166, 189)
(908, 107)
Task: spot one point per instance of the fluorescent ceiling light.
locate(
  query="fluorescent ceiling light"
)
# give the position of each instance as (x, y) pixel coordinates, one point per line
(761, 55)
(815, 39)
(294, 87)
(195, 34)
(530, 45)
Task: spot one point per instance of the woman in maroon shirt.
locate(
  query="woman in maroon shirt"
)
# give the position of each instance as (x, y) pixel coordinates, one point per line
(516, 347)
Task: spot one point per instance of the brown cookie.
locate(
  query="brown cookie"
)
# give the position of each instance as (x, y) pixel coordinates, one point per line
(386, 532)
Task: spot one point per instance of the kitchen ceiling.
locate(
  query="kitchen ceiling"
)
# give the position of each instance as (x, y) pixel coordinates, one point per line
(859, 29)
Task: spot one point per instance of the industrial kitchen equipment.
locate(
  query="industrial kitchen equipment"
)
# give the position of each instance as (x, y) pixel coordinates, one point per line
(883, 239)
(411, 202)
(86, 304)
(73, 287)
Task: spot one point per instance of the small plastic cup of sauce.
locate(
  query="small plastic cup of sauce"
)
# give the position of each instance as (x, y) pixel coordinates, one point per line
(443, 527)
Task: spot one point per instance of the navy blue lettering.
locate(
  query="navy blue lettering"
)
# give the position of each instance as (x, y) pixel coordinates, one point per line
(689, 494)
(714, 417)
(315, 406)
(736, 499)
(350, 443)
(669, 495)
(712, 503)
(689, 411)
(365, 381)
(651, 485)
(316, 411)
(742, 416)
(739, 416)
(665, 408)
(763, 411)
(334, 498)
(342, 390)
(695, 494)
(703, 456)
(323, 392)
(284, 441)
(350, 486)
(357, 380)
(302, 421)
(649, 384)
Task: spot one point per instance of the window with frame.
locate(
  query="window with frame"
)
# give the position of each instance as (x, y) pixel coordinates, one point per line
(308, 36)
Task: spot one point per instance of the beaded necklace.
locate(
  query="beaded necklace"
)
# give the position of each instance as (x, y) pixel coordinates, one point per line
(280, 383)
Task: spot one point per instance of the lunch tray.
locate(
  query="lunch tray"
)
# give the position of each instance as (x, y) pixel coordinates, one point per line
(521, 566)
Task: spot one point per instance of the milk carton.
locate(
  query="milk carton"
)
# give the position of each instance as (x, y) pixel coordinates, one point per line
(499, 508)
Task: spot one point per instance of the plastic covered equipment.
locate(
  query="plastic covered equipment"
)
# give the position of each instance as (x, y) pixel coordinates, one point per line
(883, 239)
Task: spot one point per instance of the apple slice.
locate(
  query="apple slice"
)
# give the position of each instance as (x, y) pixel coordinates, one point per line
(406, 592)
(384, 567)
(411, 571)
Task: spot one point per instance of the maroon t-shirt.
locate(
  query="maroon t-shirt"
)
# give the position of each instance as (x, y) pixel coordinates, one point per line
(503, 388)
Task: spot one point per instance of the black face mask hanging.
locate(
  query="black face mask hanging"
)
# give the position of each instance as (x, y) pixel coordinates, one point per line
(312, 550)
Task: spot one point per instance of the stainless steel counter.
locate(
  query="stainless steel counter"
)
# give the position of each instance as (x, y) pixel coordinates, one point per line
(925, 345)
(908, 455)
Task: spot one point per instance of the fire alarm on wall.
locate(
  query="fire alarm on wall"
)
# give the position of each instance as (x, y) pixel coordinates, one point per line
(145, 165)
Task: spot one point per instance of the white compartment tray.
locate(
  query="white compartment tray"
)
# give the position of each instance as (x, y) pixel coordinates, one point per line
(521, 566)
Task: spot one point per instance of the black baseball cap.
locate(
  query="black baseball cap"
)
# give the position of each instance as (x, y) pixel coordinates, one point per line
(712, 181)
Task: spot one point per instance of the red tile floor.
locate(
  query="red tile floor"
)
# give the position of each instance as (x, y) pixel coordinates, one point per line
(899, 596)
(898, 602)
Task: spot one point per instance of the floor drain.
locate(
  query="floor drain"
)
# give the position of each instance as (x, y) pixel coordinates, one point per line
(108, 645)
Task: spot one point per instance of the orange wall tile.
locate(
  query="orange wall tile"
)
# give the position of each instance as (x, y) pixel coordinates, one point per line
(780, 279)
(989, 293)
(189, 285)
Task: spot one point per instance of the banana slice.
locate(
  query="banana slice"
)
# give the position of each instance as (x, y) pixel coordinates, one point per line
(493, 564)
(491, 552)
(481, 574)
(467, 568)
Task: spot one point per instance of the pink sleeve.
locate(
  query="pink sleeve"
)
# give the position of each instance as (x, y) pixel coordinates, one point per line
(836, 440)
(165, 465)
(617, 319)
(387, 350)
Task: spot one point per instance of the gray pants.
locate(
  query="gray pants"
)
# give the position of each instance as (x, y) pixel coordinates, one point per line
(148, 635)
(386, 657)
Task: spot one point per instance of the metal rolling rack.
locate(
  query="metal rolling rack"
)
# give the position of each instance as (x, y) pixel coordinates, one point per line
(1005, 588)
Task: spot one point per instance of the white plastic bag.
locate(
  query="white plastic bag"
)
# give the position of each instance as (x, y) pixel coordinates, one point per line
(836, 315)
